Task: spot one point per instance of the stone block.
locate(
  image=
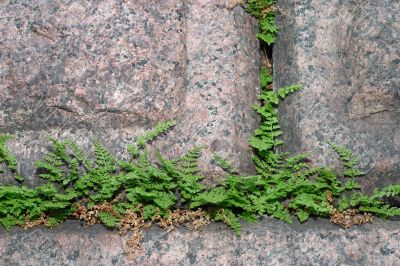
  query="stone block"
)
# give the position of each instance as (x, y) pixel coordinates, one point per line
(111, 69)
(267, 242)
(346, 55)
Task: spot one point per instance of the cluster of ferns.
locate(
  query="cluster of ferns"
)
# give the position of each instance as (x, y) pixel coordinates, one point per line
(285, 187)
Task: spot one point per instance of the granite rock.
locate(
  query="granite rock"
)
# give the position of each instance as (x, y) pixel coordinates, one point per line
(347, 56)
(267, 242)
(112, 69)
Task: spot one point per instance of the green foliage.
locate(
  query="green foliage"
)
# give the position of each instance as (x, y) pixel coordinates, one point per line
(108, 220)
(265, 78)
(349, 161)
(374, 203)
(148, 185)
(283, 187)
(7, 158)
(72, 176)
(266, 137)
(228, 218)
(5, 154)
(224, 164)
(286, 185)
(185, 173)
(51, 164)
(19, 204)
(257, 7)
(149, 136)
(264, 11)
(386, 192)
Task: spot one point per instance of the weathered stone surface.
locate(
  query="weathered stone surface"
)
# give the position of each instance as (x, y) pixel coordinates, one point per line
(347, 56)
(269, 242)
(113, 68)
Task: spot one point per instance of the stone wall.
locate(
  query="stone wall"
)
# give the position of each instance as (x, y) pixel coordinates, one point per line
(110, 69)
(347, 56)
(267, 242)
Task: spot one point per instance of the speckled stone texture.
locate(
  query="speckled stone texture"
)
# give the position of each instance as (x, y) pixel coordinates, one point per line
(112, 68)
(346, 53)
(269, 242)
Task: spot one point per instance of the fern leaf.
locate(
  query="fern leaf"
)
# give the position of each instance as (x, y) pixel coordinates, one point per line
(302, 215)
(229, 218)
(5, 154)
(214, 197)
(108, 220)
(103, 159)
(150, 135)
(224, 164)
(388, 191)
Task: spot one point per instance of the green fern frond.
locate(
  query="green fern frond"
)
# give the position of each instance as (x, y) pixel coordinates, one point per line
(265, 78)
(384, 211)
(224, 164)
(302, 215)
(150, 135)
(104, 161)
(108, 220)
(80, 155)
(349, 161)
(133, 151)
(214, 197)
(7, 157)
(230, 219)
(264, 11)
(188, 163)
(388, 192)
(279, 211)
(286, 91)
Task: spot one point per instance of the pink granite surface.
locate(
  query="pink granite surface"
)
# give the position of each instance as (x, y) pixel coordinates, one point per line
(110, 69)
(268, 242)
(347, 56)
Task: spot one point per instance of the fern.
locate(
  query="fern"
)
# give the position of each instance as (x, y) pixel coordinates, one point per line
(284, 186)
(146, 183)
(312, 204)
(7, 158)
(104, 161)
(374, 203)
(386, 192)
(279, 211)
(349, 161)
(302, 215)
(214, 197)
(52, 164)
(384, 211)
(149, 211)
(266, 137)
(159, 129)
(5, 154)
(185, 173)
(230, 219)
(80, 156)
(265, 78)
(264, 11)
(108, 220)
(224, 164)
(150, 187)
(21, 204)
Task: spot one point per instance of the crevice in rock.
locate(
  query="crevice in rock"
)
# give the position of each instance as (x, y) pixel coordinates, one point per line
(266, 55)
